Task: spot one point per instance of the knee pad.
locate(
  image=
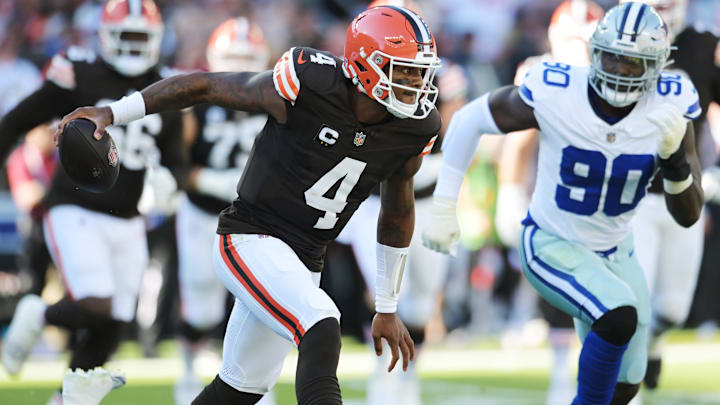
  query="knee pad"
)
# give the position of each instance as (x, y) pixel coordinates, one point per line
(617, 326)
(316, 377)
(322, 339)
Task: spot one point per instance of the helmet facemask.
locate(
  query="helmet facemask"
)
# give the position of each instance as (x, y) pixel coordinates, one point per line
(628, 50)
(389, 86)
(130, 47)
(622, 90)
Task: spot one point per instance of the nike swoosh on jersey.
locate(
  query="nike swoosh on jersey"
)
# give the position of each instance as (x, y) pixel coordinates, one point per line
(300, 59)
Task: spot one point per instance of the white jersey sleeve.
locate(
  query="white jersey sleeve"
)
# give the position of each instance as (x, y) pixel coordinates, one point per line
(679, 90)
(544, 82)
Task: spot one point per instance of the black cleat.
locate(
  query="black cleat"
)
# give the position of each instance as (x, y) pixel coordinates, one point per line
(652, 375)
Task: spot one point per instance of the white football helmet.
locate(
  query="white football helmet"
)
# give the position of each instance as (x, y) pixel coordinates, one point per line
(673, 12)
(630, 33)
(130, 35)
(237, 45)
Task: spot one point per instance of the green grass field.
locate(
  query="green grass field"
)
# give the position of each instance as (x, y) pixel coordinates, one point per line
(478, 374)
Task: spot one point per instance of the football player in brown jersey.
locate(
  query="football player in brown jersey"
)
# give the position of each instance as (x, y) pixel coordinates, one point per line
(336, 128)
(97, 240)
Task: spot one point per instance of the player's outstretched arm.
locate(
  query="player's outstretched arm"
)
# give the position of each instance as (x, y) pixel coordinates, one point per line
(500, 111)
(683, 192)
(247, 91)
(395, 228)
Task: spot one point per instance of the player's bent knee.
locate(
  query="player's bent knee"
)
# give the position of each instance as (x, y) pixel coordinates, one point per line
(218, 392)
(624, 393)
(617, 326)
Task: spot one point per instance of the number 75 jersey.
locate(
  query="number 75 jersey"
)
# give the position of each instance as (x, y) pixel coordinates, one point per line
(304, 179)
(592, 174)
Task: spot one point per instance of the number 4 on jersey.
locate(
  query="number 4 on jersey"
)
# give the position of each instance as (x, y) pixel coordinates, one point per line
(349, 170)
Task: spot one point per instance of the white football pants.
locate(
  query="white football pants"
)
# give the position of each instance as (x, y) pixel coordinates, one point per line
(202, 295)
(98, 255)
(670, 256)
(277, 300)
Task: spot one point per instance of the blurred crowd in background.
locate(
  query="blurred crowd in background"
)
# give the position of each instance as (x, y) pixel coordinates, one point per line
(487, 39)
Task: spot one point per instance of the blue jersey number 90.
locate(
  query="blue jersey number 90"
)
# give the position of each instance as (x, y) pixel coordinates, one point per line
(583, 175)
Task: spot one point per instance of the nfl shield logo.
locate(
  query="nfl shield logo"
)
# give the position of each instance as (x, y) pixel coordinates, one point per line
(359, 138)
(611, 137)
(113, 155)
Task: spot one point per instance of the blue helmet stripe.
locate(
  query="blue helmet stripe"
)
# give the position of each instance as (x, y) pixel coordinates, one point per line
(624, 19)
(637, 21)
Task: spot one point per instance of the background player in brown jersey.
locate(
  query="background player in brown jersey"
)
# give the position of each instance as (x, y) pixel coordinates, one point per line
(336, 128)
(97, 241)
(220, 146)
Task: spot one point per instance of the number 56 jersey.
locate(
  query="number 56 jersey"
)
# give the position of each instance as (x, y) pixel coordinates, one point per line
(304, 179)
(591, 173)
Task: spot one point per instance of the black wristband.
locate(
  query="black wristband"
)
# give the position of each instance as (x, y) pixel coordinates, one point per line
(675, 167)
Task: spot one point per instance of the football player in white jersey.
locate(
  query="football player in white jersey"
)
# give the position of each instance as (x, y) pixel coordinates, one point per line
(571, 26)
(604, 131)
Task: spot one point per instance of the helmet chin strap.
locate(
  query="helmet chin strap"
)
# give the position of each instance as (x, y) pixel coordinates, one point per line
(400, 109)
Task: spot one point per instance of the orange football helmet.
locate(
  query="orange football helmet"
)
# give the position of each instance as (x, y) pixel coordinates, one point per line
(571, 27)
(408, 4)
(237, 45)
(130, 35)
(383, 39)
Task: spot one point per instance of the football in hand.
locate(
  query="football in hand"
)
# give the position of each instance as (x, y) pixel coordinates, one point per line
(93, 165)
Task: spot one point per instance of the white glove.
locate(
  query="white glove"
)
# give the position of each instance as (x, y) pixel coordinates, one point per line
(511, 209)
(159, 191)
(443, 232)
(711, 184)
(671, 125)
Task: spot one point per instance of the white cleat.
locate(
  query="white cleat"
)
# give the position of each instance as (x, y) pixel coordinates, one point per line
(186, 389)
(25, 328)
(82, 387)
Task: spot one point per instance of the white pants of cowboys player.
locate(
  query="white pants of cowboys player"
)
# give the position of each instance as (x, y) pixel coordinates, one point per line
(202, 295)
(277, 300)
(98, 255)
(670, 256)
(426, 269)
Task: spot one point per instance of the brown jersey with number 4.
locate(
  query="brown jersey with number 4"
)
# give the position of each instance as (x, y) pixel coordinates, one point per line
(305, 178)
